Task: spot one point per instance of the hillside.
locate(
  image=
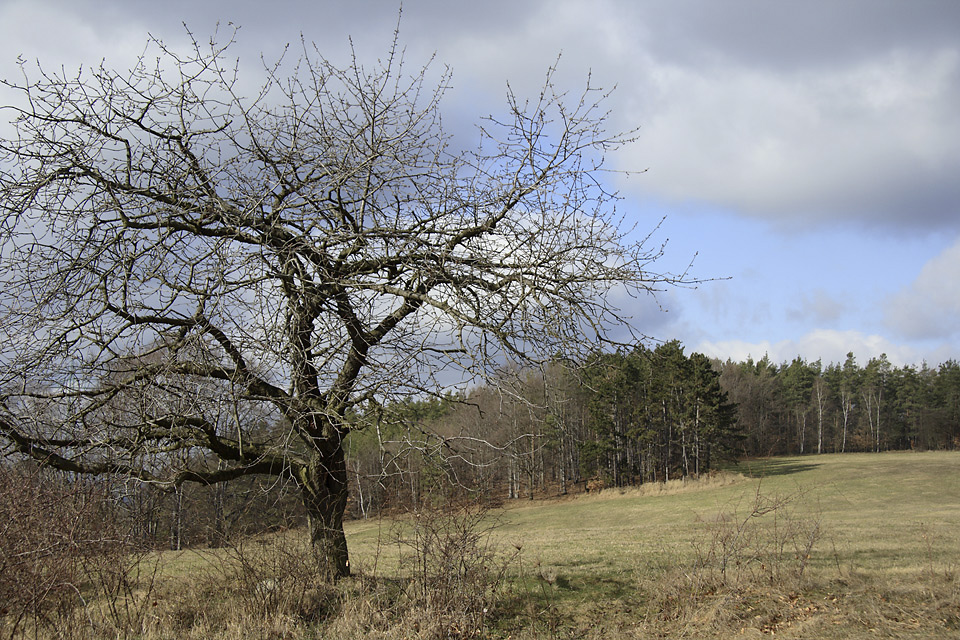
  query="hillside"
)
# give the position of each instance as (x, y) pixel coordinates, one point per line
(832, 546)
(700, 558)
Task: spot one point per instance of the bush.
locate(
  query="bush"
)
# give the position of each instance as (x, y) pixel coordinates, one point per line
(280, 575)
(456, 570)
(760, 541)
(64, 557)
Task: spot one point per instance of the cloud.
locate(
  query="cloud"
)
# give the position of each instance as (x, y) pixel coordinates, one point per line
(788, 36)
(63, 34)
(807, 113)
(61, 38)
(837, 117)
(874, 141)
(818, 307)
(929, 308)
(826, 345)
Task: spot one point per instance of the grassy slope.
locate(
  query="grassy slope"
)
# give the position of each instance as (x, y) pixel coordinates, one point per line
(637, 563)
(874, 507)
(886, 563)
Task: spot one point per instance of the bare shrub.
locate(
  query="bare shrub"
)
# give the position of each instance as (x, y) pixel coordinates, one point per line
(760, 540)
(456, 569)
(65, 561)
(279, 574)
(748, 558)
(122, 584)
(44, 525)
(748, 566)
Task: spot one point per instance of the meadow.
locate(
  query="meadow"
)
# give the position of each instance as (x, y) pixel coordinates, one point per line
(831, 546)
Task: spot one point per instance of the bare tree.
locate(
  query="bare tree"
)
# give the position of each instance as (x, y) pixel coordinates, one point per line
(171, 246)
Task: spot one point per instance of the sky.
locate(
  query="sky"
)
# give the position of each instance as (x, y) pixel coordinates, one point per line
(804, 155)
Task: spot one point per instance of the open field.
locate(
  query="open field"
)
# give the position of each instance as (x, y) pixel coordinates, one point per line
(880, 530)
(833, 546)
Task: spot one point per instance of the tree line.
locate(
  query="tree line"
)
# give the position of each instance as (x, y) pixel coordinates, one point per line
(648, 414)
(805, 407)
(645, 415)
(615, 419)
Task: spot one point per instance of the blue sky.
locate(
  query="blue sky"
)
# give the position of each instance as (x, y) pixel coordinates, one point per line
(807, 152)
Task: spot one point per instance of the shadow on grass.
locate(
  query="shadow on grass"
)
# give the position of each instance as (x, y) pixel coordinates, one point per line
(773, 467)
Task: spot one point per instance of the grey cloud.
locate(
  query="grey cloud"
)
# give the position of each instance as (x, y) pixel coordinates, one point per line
(874, 141)
(792, 36)
(819, 308)
(804, 112)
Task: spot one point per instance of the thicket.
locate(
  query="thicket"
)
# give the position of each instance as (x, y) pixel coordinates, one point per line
(69, 560)
(72, 567)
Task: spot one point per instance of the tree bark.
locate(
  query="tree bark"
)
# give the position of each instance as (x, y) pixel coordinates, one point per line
(323, 483)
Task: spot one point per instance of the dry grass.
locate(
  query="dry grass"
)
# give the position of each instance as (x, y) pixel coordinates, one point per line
(855, 546)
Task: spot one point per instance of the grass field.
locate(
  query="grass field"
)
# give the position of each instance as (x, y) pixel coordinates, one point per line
(882, 532)
(833, 546)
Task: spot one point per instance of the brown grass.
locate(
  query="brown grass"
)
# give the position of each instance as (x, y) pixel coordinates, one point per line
(856, 546)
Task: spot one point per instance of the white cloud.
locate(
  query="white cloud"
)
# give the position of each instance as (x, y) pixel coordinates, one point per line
(930, 306)
(823, 344)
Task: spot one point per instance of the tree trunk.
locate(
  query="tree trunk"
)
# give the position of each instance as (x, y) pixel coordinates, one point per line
(219, 516)
(563, 466)
(176, 527)
(323, 483)
(803, 430)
